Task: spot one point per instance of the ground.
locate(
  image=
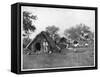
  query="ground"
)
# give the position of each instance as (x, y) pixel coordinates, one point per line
(67, 58)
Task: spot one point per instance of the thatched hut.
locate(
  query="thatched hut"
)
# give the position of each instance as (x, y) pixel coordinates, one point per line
(42, 43)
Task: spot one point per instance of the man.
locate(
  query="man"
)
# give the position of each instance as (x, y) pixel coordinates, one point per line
(45, 45)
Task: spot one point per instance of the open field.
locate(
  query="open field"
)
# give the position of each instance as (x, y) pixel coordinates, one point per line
(67, 58)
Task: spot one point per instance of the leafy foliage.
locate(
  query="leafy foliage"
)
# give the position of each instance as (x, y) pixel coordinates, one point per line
(27, 21)
(52, 30)
(80, 33)
(76, 32)
(27, 27)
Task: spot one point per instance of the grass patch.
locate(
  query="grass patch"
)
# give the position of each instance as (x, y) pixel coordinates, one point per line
(67, 58)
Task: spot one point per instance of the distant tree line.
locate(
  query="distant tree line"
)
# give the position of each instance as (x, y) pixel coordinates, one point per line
(78, 34)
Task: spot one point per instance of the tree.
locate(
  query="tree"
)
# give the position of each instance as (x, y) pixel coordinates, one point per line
(52, 30)
(27, 22)
(71, 33)
(80, 33)
(75, 33)
(28, 27)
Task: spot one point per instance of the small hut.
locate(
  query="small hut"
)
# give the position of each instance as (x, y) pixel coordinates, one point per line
(42, 43)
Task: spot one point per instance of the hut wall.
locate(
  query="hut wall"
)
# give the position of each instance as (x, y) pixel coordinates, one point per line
(38, 40)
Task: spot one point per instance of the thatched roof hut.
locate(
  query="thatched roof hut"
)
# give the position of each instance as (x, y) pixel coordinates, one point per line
(37, 43)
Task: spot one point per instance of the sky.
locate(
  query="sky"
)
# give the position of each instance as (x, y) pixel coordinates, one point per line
(62, 18)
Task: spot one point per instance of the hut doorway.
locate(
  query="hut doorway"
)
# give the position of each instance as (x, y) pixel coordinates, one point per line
(38, 46)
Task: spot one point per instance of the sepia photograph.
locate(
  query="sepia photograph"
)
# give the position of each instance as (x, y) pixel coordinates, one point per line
(53, 38)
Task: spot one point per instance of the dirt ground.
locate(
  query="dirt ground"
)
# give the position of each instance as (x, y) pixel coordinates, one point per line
(67, 58)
